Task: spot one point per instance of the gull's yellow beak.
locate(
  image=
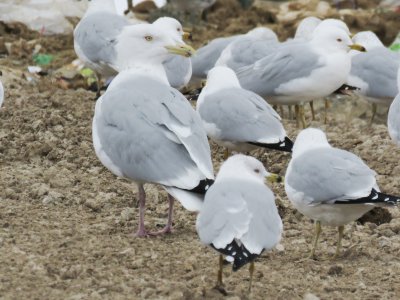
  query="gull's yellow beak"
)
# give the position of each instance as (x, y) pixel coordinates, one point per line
(203, 83)
(181, 49)
(358, 48)
(271, 178)
(187, 35)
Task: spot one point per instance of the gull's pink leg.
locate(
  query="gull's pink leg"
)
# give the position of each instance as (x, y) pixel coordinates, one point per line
(142, 205)
(168, 227)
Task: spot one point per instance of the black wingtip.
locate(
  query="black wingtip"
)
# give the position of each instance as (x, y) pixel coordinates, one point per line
(374, 198)
(285, 146)
(203, 186)
(240, 254)
(345, 88)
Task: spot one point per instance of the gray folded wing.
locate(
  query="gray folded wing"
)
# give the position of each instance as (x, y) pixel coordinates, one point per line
(95, 36)
(179, 70)
(285, 62)
(242, 116)
(246, 51)
(378, 68)
(206, 56)
(235, 209)
(152, 134)
(326, 175)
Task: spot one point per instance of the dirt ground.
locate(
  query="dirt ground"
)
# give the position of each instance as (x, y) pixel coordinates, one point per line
(67, 224)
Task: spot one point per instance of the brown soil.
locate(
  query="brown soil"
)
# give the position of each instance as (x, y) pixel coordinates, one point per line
(67, 224)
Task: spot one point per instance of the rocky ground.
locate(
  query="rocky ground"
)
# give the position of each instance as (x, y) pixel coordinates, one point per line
(67, 224)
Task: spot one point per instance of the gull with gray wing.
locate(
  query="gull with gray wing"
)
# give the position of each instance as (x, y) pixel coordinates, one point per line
(239, 217)
(374, 72)
(298, 72)
(239, 119)
(329, 185)
(145, 130)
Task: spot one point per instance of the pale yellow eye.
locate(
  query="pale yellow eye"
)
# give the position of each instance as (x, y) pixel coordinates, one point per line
(148, 38)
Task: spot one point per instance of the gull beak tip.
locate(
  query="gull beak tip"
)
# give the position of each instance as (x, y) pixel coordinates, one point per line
(358, 47)
(272, 178)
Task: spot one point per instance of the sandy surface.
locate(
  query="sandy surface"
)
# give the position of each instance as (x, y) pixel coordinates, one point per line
(67, 224)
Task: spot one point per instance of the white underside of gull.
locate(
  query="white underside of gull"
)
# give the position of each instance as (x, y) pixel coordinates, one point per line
(321, 83)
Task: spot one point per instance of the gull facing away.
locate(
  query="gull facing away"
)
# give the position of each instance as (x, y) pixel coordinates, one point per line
(329, 185)
(147, 131)
(239, 119)
(95, 37)
(248, 48)
(374, 72)
(299, 72)
(394, 116)
(239, 217)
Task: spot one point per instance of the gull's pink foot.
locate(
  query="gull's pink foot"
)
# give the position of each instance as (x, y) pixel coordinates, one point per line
(142, 233)
(166, 230)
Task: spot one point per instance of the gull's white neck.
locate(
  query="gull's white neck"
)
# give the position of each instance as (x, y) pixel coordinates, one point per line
(299, 149)
(153, 71)
(216, 84)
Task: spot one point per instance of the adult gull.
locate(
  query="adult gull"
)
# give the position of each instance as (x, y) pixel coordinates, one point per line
(374, 72)
(239, 217)
(147, 131)
(299, 72)
(329, 185)
(239, 119)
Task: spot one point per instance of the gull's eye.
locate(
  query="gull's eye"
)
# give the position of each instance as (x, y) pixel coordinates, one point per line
(257, 170)
(179, 30)
(148, 38)
(339, 40)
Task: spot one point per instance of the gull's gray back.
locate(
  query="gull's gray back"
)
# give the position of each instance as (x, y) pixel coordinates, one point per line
(286, 62)
(377, 67)
(150, 131)
(233, 208)
(206, 56)
(95, 35)
(178, 68)
(246, 51)
(325, 175)
(241, 116)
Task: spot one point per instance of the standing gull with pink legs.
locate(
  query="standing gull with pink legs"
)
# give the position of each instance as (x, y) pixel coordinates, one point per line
(145, 130)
